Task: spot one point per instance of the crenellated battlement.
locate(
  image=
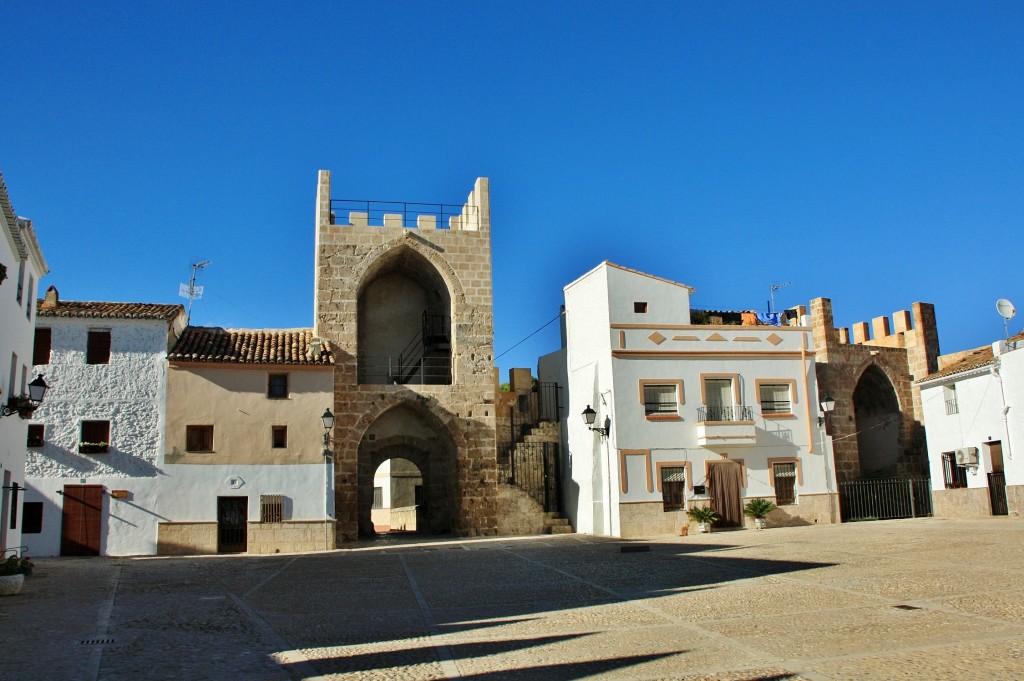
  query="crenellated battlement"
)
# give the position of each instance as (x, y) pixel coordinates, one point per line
(472, 216)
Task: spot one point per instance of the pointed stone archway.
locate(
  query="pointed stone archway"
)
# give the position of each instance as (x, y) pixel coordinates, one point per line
(408, 432)
(879, 424)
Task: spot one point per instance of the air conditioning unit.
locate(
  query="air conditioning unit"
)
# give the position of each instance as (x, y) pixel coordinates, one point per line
(967, 456)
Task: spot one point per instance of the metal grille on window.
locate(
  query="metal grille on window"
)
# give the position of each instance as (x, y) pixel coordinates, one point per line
(785, 483)
(775, 398)
(673, 480)
(271, 508)
(954, 476)
(659, 399)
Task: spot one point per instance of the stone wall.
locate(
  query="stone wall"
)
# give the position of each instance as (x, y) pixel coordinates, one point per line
(186, 539)
(348, 258)
(904, 354)
(649, 519)
(290, 537)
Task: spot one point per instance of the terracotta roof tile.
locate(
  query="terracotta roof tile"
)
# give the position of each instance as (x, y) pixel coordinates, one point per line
(91, 309)
(251, 346)
(972, 359)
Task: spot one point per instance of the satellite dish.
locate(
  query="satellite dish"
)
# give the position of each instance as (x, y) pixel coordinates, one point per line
(1006, 308)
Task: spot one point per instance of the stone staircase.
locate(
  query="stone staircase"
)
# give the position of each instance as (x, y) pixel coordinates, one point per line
(556, 524)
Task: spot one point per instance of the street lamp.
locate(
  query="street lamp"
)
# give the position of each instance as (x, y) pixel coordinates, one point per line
(328, 419)
(26, 405)
(589, 415)
(827, 405)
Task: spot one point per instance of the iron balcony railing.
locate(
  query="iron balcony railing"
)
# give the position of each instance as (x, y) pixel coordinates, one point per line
(410, 212)
(951, 407)
(707, 413)
(376, 370)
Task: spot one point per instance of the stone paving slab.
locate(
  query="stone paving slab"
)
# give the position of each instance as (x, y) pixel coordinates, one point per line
(930, 599)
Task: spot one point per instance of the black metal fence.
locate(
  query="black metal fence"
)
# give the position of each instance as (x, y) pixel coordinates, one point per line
(885, 499)
(533, 467)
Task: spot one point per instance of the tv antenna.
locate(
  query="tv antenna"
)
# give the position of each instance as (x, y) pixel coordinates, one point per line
(1007, 311)
(190, 290)
(774, 288)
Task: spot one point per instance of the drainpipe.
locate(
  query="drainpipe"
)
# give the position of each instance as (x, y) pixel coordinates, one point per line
(1006, 409)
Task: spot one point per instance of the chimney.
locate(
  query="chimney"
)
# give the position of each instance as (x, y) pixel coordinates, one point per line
(52, 298)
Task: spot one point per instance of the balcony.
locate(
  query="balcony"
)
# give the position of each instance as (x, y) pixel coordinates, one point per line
(720, 427)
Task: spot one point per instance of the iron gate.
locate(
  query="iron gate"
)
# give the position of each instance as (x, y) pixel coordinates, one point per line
(997, 493)
(533, 467)
(885, 499)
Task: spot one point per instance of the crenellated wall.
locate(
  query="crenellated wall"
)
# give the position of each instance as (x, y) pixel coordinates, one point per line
(905, 351)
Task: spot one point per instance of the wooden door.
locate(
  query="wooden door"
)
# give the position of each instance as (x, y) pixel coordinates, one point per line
(81, 520)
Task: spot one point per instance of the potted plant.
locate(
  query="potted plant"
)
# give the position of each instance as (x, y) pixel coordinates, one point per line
(704, 516)
(758, 509)
(12, 574)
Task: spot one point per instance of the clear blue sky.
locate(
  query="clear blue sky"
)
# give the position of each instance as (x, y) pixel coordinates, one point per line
(870, 152)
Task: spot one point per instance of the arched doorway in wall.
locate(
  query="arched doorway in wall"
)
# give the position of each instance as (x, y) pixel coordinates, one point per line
(404, 317)
(397, 497)
(412, 436)
(878, 421)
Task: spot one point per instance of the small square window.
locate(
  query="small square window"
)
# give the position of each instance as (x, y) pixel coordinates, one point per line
(640, 307)
(279, 437)
(660, 398)
(36, 431)
(271, 508)
(775, 398)
(98, 347)
(277, 386)
(95, 437)
(199, 438)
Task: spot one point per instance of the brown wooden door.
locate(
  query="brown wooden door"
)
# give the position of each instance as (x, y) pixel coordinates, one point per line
(724, 482)
(81, 520)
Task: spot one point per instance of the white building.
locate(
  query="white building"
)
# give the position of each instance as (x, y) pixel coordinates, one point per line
(973, 431)
(93, 467)
(711, 414)
(21, 267)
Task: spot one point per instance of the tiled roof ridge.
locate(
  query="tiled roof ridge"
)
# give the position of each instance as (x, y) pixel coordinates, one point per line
(214, 344)
(108, 309)
(974, 358)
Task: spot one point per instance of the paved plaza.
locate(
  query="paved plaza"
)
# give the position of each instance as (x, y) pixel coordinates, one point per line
(928, 599)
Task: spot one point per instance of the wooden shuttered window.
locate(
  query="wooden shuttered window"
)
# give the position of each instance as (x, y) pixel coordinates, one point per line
(199, 438)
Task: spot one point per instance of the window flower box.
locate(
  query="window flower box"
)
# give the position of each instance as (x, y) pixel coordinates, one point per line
(93, 447)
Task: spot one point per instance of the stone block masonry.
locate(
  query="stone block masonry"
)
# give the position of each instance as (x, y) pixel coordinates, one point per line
(384, 274)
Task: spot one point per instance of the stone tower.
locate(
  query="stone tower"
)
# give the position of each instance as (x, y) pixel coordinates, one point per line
(403, 292)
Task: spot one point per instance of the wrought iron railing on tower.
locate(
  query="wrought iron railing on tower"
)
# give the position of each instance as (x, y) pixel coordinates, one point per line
(425, 360)
(406, 213)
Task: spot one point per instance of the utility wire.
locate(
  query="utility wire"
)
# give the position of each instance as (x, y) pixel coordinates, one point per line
(547, 324)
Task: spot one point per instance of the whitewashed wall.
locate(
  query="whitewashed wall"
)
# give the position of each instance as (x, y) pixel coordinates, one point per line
(17, 319)
(129, 392)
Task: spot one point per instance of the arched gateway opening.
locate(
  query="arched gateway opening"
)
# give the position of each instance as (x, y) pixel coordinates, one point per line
(421, 456)
(405, 323)
(879, 421)
(397, 497)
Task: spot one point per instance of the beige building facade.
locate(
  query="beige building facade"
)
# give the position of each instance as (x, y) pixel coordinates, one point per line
(244, 457)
